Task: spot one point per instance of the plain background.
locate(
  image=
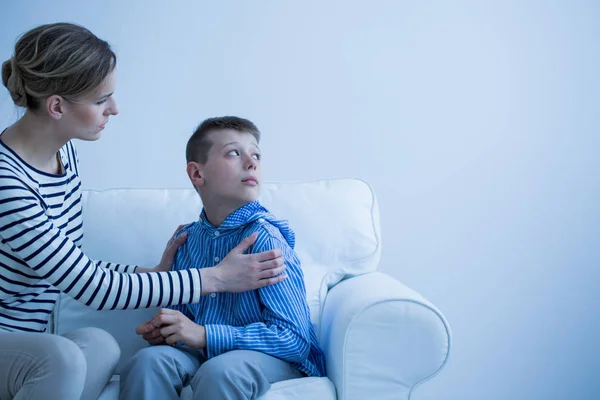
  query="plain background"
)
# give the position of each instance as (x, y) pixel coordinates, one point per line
(476, 122)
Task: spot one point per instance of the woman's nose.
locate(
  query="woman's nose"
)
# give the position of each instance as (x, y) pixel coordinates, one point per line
(114, 108)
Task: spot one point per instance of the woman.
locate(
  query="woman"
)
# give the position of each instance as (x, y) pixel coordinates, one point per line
(65, 78)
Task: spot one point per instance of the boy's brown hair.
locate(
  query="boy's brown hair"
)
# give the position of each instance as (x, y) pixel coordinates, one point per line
(199, 144)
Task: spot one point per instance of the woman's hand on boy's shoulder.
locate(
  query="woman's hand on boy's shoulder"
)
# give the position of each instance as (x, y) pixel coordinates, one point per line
(241, 272)
(168, 257)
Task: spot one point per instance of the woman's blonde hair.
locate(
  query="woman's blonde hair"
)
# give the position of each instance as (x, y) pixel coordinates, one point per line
(62, 59)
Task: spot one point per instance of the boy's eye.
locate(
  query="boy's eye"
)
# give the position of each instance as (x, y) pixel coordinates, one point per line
(233, 153)
(256, 156)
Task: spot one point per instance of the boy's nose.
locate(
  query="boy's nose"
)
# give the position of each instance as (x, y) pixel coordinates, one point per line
(251, 163)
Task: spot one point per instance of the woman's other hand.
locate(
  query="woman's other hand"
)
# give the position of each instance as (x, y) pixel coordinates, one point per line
(166, 262)
(239, 272)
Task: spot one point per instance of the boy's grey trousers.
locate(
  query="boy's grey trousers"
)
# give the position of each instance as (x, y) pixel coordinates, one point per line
(160, 372)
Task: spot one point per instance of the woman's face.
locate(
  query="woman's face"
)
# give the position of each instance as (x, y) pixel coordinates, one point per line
(86, 118)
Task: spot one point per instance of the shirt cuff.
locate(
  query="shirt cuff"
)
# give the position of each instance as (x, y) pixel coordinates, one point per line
(219, 339)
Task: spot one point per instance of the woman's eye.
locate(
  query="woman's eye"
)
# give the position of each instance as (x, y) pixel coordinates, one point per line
(102, 101)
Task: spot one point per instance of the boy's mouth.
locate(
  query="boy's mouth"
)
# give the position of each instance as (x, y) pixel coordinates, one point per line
(250, 181)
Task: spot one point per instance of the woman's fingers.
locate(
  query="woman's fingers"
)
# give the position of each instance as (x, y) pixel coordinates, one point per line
(271, 264)
(239, 272)
(175, 233)
(271, 272)
(166, 262)
(268, 255)
(271, 281)
(174, 244)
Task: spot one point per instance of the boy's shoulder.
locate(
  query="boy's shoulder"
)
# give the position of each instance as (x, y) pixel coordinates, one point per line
(263, 227)
(270, 230)
(191, 228)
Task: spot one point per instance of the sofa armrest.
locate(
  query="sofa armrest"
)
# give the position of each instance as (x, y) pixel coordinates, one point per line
(381, 339)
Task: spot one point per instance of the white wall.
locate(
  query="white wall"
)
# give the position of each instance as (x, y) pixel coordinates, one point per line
(475, 121)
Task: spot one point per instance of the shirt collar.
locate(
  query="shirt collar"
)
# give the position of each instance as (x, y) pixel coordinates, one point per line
(237, 218)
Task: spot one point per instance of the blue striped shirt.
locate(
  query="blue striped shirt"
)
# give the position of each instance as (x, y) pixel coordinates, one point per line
(275, 319)
(41, 233)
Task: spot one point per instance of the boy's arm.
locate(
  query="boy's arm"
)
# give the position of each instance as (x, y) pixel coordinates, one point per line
(285, 330)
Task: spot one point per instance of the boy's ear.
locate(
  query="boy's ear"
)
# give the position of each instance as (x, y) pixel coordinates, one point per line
(194, 171)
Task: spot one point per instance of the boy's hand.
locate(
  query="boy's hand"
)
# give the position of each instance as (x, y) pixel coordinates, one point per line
(171, 326)
(150, 333)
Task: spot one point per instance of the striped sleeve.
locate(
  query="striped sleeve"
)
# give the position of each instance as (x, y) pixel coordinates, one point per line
(30, 234)
(129, 269)
(285, 332)
(182, 259)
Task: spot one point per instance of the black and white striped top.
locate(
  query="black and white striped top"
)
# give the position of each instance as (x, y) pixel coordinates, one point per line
(41, 231)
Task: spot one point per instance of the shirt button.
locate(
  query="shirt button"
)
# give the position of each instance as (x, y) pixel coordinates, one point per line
(217, 259)
(217, 233)
(213, 295)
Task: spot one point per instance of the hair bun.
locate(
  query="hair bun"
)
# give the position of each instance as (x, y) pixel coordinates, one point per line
(11, 78)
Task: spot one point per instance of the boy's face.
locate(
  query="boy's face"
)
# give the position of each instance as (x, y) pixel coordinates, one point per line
(232, 173)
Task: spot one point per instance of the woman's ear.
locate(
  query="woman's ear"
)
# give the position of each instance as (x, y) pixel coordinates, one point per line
(194, 171)
(55, 106)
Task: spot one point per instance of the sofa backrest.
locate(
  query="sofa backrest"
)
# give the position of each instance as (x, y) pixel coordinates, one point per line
(337, 235)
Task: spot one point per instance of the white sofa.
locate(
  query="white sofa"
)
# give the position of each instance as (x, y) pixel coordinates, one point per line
(381, 338)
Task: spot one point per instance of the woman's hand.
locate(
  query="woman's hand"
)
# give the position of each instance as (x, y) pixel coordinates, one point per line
(239, 272)
(166, 262)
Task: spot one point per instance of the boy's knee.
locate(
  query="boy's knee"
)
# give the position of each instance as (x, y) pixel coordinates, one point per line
(149, 359)
(222, 373)
(216, 367)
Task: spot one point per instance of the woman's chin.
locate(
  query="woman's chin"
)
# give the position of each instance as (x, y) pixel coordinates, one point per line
(90, 137)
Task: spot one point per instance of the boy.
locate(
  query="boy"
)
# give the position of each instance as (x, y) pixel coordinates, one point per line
(230, 345)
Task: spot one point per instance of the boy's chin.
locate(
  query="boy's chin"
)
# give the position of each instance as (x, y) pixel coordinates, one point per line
(249, 198)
